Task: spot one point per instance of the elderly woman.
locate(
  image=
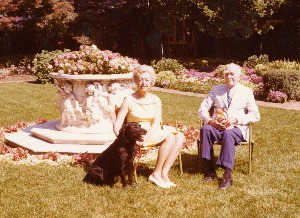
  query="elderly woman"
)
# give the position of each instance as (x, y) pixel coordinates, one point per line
(145, 108)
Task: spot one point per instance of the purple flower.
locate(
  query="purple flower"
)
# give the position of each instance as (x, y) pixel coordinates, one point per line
(277, 96)
(255, 79)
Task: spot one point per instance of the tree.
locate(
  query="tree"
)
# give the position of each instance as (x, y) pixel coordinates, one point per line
(219, 18)
(37, 17)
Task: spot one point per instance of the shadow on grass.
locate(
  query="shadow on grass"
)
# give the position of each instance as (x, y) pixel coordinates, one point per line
(33, 82)
(190, 165)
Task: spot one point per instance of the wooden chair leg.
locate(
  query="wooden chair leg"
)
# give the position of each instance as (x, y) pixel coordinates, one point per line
(252, 143)
(199, 153)
(250, 158)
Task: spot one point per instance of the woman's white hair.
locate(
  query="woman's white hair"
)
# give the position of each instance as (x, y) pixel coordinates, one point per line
(144, 69)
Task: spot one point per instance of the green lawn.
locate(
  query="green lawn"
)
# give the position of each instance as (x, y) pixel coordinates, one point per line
(272, 190)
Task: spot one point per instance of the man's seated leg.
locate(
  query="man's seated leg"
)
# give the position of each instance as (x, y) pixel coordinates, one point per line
(208, 136)
(230, 138)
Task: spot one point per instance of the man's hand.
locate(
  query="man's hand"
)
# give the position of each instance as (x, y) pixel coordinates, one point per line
(223, 123)
(216, 124)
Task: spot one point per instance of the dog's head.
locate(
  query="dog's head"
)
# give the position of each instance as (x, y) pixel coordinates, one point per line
(132, 132)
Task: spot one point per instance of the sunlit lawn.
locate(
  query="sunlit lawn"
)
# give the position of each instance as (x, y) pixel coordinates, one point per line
(272, 190)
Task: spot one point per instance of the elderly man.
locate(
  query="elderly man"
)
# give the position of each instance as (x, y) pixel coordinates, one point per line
(233, 107)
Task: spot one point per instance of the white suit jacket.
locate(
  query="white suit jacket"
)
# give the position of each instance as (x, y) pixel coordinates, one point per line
(242, 106)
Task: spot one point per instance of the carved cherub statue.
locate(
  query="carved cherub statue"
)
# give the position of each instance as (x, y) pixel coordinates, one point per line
(113, 99)
(69, 106)
(93, 113)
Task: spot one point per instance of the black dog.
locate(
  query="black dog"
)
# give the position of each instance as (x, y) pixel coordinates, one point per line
(117, 159)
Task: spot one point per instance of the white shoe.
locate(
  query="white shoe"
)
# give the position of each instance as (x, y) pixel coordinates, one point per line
(172, 184)
(159, 184)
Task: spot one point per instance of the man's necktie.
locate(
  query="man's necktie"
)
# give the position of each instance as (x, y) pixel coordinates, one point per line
(229, 97)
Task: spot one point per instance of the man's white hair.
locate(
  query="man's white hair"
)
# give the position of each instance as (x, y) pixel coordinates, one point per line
(233, 68)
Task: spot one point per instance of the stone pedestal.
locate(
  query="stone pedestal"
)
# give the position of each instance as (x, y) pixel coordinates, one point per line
(43, 138)
(87, 102)
(87, 111)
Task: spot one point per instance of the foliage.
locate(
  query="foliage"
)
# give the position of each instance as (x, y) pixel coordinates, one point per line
(37, 21)
(54, 156)
(253, 61)
(277, 96)
(286, 81)
(55, 24)
(167, 64)
(102, 22)
(49, 15)
(164, 78)
(82, 159)
(280, 78)
(284, 64)
(202, 82)
(91, 60)
(60, 14)
(267, 79)
(41, 63)
(16, 153)
(17, 64)
(219, 18)
(195, 86)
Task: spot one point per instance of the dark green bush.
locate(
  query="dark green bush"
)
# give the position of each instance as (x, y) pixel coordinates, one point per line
(286, 81)
(42, 61)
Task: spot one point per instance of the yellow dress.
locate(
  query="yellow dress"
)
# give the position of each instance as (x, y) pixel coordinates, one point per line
(143, 113)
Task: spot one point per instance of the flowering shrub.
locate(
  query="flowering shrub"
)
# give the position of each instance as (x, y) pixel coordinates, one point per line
(51, 156)
(191, 134)
(41, 63)
(19, 154)
(82, 159)
(15, 128)
(167, 64)
(277, 96)
(91, 60)
(164, 78)
(16, 153)
(253, 61)
(202, 82)
(4, 149)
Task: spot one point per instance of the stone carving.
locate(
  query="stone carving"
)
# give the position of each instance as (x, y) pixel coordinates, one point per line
(96, 104)
(70, 109)
(89, 106)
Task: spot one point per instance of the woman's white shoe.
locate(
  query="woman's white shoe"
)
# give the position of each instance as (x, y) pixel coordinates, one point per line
(159, 184)
(172, 184)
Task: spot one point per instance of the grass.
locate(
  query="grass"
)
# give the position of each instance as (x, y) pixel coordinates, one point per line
(272, 190)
